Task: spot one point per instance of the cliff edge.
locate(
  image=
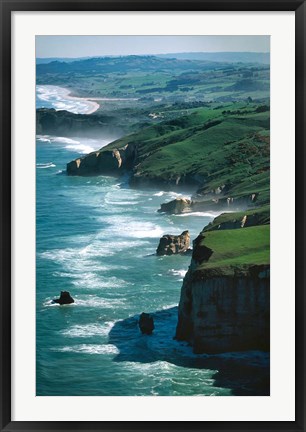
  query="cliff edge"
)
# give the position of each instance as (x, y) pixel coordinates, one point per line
(225, 297)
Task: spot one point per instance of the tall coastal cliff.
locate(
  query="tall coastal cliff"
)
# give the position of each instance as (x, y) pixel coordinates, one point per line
(225, 297)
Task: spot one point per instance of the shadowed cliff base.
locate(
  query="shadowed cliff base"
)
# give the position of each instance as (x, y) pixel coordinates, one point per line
(245, 373)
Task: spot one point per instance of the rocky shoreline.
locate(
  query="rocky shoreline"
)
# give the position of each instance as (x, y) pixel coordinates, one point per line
(224, 303)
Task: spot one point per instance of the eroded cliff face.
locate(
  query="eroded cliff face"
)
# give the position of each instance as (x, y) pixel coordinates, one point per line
(225, 313)
(174, 244)
(113, 162)
(184, 205)
(225, 297)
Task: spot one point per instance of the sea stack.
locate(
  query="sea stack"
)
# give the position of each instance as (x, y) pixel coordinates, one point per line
(146, 323)
(173, 244)
(65, 298)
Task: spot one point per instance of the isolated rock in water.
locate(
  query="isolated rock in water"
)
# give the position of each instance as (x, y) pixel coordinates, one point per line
(146, 323)
(172, 244)
(65, 298)
(177, 206)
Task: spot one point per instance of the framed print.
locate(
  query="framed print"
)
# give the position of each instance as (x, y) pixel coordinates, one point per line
(152, 215)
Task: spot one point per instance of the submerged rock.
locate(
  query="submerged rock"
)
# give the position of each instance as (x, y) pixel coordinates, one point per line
(65, 298)
(173, 244)
(146, 323)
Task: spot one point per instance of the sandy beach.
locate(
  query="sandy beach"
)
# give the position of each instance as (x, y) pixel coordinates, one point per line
(59, 98)
(83, 105)
(67, 94)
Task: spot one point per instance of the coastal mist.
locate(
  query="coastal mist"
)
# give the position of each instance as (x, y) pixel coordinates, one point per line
(97, 238)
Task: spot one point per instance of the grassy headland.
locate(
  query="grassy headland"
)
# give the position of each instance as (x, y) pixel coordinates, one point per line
(208, 149)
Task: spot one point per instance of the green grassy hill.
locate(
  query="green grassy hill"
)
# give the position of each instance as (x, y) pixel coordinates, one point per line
(224, 252)
(148, 78)
(208, 148)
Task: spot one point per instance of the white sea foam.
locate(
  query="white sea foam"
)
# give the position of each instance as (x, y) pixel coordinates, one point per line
(151, 368)
(199, 214)
(89, 349)
(88, 330)
(75, 144)
(59, 98)
(43, 138)
(93, 281)
(64, 140)
(123, 203)
(94, 301)
(45, 165)
(49, 303)
(88, 301)
(128, 227)
(159, 193)
(121, 196)
(169, 306)
(81, 148)
(174, 195)
(72, 258)
(180, 273)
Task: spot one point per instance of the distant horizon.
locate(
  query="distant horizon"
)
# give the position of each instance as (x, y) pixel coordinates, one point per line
(106, 46)
(158, 54)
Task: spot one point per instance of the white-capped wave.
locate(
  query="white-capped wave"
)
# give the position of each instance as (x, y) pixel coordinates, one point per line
(180, 273)
(45, 165)
(89, 301)
(169, 306)
(89, 349)
(123, 203)
(49, 303)
(94, 281)
(75, 144)
(88, 330)
(59, 98)
(64, 140)
(199, 214)
(80, 148)
(94, 301)
(161, 193)
(121, 196)
(174, 195)
(43, 138)
(128, 227)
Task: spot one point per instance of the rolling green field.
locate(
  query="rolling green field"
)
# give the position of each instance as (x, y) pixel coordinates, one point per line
(237, 247)
(209, 148)
(257, 216)
(189, 122)
(154, 80)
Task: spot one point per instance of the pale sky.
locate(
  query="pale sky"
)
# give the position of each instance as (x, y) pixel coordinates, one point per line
(95, 46)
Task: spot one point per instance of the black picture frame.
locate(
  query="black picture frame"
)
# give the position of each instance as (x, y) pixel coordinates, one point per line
(6, 8)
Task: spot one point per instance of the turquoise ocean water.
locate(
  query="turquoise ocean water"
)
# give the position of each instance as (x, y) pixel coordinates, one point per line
(96, 238)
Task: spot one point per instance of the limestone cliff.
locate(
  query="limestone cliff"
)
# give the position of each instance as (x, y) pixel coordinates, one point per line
(176, 206)
(224, 203)
(225, 297)
(173, 244)
(114, 162)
